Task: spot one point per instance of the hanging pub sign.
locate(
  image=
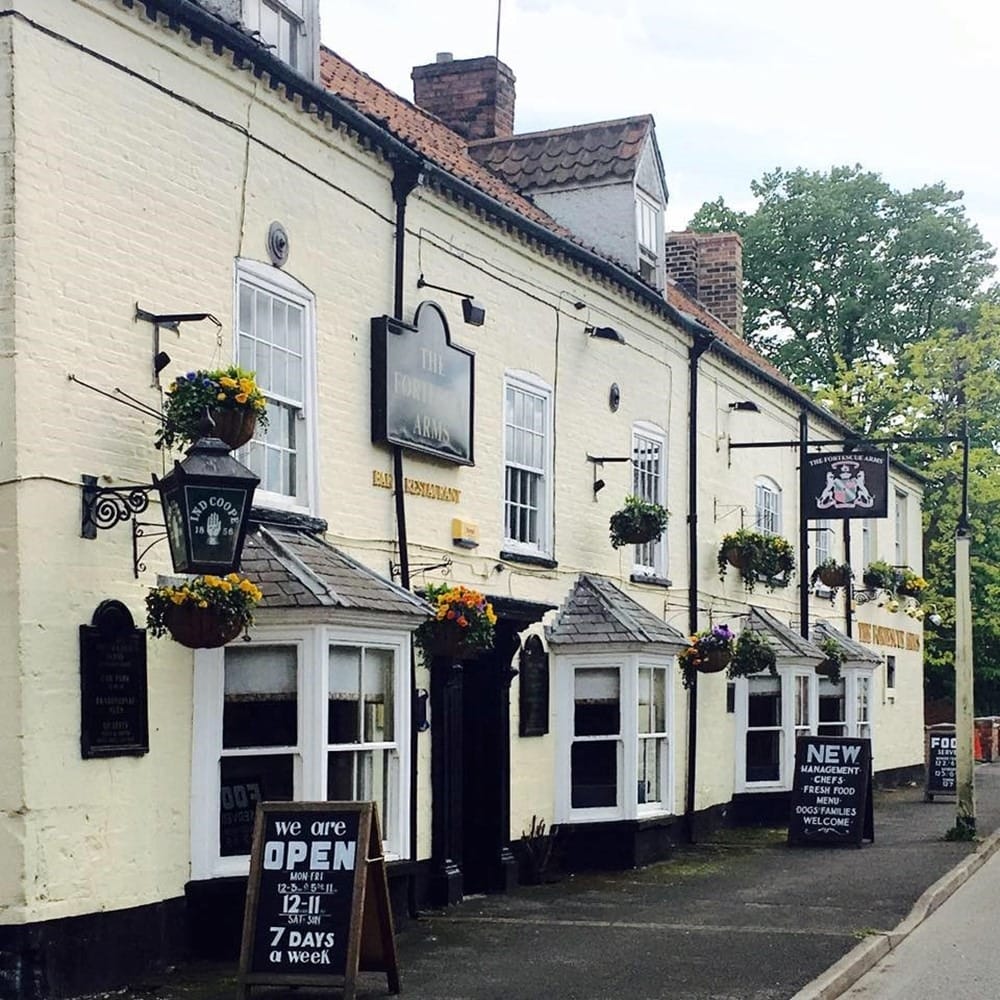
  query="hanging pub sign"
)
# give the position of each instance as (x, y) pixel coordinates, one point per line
(206, 506)
(422, 386)
(317, 898)
(848, 485)
(114, 710)
(832, 791)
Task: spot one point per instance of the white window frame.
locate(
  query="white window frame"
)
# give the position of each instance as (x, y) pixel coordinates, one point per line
(290, 13)
(650, 558)
(649, 223)
(767, 506)
(565, 666)
(823, 535)
(310, 764)
(528, 382)
(901, 519)
(853, 678)
(867, 542)
(274, 282)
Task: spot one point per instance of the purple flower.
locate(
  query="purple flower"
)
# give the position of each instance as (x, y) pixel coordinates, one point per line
(723, 632)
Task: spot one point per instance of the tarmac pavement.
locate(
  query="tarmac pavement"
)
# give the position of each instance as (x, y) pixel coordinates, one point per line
(745, 917)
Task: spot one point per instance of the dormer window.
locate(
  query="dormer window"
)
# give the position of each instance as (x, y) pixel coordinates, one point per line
(647, 224)
(281, 24)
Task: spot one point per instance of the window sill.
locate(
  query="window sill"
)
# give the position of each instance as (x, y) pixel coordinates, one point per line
(528, 560)
(651, 581)
(288, 518)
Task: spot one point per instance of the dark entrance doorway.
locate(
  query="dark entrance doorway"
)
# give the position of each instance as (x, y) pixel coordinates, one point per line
(487, 862)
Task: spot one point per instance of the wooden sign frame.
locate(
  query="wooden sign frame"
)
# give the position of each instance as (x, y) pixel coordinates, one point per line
(371, 942)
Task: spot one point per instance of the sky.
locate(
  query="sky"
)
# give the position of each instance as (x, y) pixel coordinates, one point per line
(906, 88)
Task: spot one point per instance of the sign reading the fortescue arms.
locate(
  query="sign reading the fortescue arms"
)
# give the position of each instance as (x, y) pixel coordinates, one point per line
(852, 484)
(422, 386)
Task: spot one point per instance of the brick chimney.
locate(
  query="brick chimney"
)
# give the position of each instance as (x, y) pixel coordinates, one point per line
(473, 97)
(709, 267)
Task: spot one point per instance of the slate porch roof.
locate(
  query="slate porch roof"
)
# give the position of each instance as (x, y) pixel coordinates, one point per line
(298, 570)
(856, 652)
(788, 644)
(597, 612)
(568, 157)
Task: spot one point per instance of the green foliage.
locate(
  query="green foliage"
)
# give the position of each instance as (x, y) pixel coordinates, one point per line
(752, 654)
(758, 557)
(637, 522)
(842, 270)
(190, 395)
(835, 655)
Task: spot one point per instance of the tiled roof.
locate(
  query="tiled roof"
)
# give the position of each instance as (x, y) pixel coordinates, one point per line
(431, 138)
(854, 650)
(423, 132)
(298, 570)
(596, 611)
(567, 157)
(786, 641)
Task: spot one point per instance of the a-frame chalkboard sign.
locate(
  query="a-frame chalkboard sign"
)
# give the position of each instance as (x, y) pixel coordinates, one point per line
(832, 791)
(318, 898)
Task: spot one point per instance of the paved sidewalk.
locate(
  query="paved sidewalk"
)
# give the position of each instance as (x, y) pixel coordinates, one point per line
(745, 918)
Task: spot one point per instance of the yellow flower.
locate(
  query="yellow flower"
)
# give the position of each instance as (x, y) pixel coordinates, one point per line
(246, 385)
(233, 577)
(203, 604)
(227, 382)
(178, 597)
(241, 397)
(220, 396)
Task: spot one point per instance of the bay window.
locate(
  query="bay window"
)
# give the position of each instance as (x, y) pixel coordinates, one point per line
(613, 727)
(314, 714)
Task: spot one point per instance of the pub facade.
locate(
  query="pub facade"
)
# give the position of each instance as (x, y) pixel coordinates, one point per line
(464, 383)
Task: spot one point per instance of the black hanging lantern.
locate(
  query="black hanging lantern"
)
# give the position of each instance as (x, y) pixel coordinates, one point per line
(206, 506)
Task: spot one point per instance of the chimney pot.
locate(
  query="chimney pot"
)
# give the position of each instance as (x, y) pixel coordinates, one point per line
(473, 97)
(445, 57)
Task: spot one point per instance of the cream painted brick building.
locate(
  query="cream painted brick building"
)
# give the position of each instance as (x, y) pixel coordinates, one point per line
(146, 149)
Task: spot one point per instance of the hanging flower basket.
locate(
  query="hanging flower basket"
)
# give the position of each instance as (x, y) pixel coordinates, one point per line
(204, 612)
(752, 654)
(759, 558)
(831, 574)
(879, 575)
(200, 628)
(230, 395)
(835, 656)
(910, 584)
(638, 522)
(235, 427)
(462, 626)
(709, 652)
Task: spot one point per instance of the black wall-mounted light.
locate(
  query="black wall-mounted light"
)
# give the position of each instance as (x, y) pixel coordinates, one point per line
(604, 333)
(206, 501)
(745, 404)
(473, 312)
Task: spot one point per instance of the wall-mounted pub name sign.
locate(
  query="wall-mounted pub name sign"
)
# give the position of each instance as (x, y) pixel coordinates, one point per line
(422, 386)
(847, 485)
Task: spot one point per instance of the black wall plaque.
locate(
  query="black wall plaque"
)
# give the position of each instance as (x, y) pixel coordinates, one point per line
(831, 792)
(848, 485)
(941, 778)
(318, 897)
(114, 709)
(422, 386)
(533, 696)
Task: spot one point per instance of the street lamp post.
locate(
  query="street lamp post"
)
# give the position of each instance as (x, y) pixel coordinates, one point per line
(965, 819)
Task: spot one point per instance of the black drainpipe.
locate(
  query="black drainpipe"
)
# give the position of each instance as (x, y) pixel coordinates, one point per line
(701, 342)
(404, 179)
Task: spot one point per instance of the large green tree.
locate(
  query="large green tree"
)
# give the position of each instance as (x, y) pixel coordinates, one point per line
(842, 270)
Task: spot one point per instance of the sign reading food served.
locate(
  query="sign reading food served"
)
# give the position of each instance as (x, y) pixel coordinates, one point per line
(941, 776)
(317, 900)
(831, 791)
(422, 386)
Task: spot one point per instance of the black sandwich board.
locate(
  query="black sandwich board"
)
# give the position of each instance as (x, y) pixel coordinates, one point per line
(941, 776)
(318, 898)
(832, 791)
